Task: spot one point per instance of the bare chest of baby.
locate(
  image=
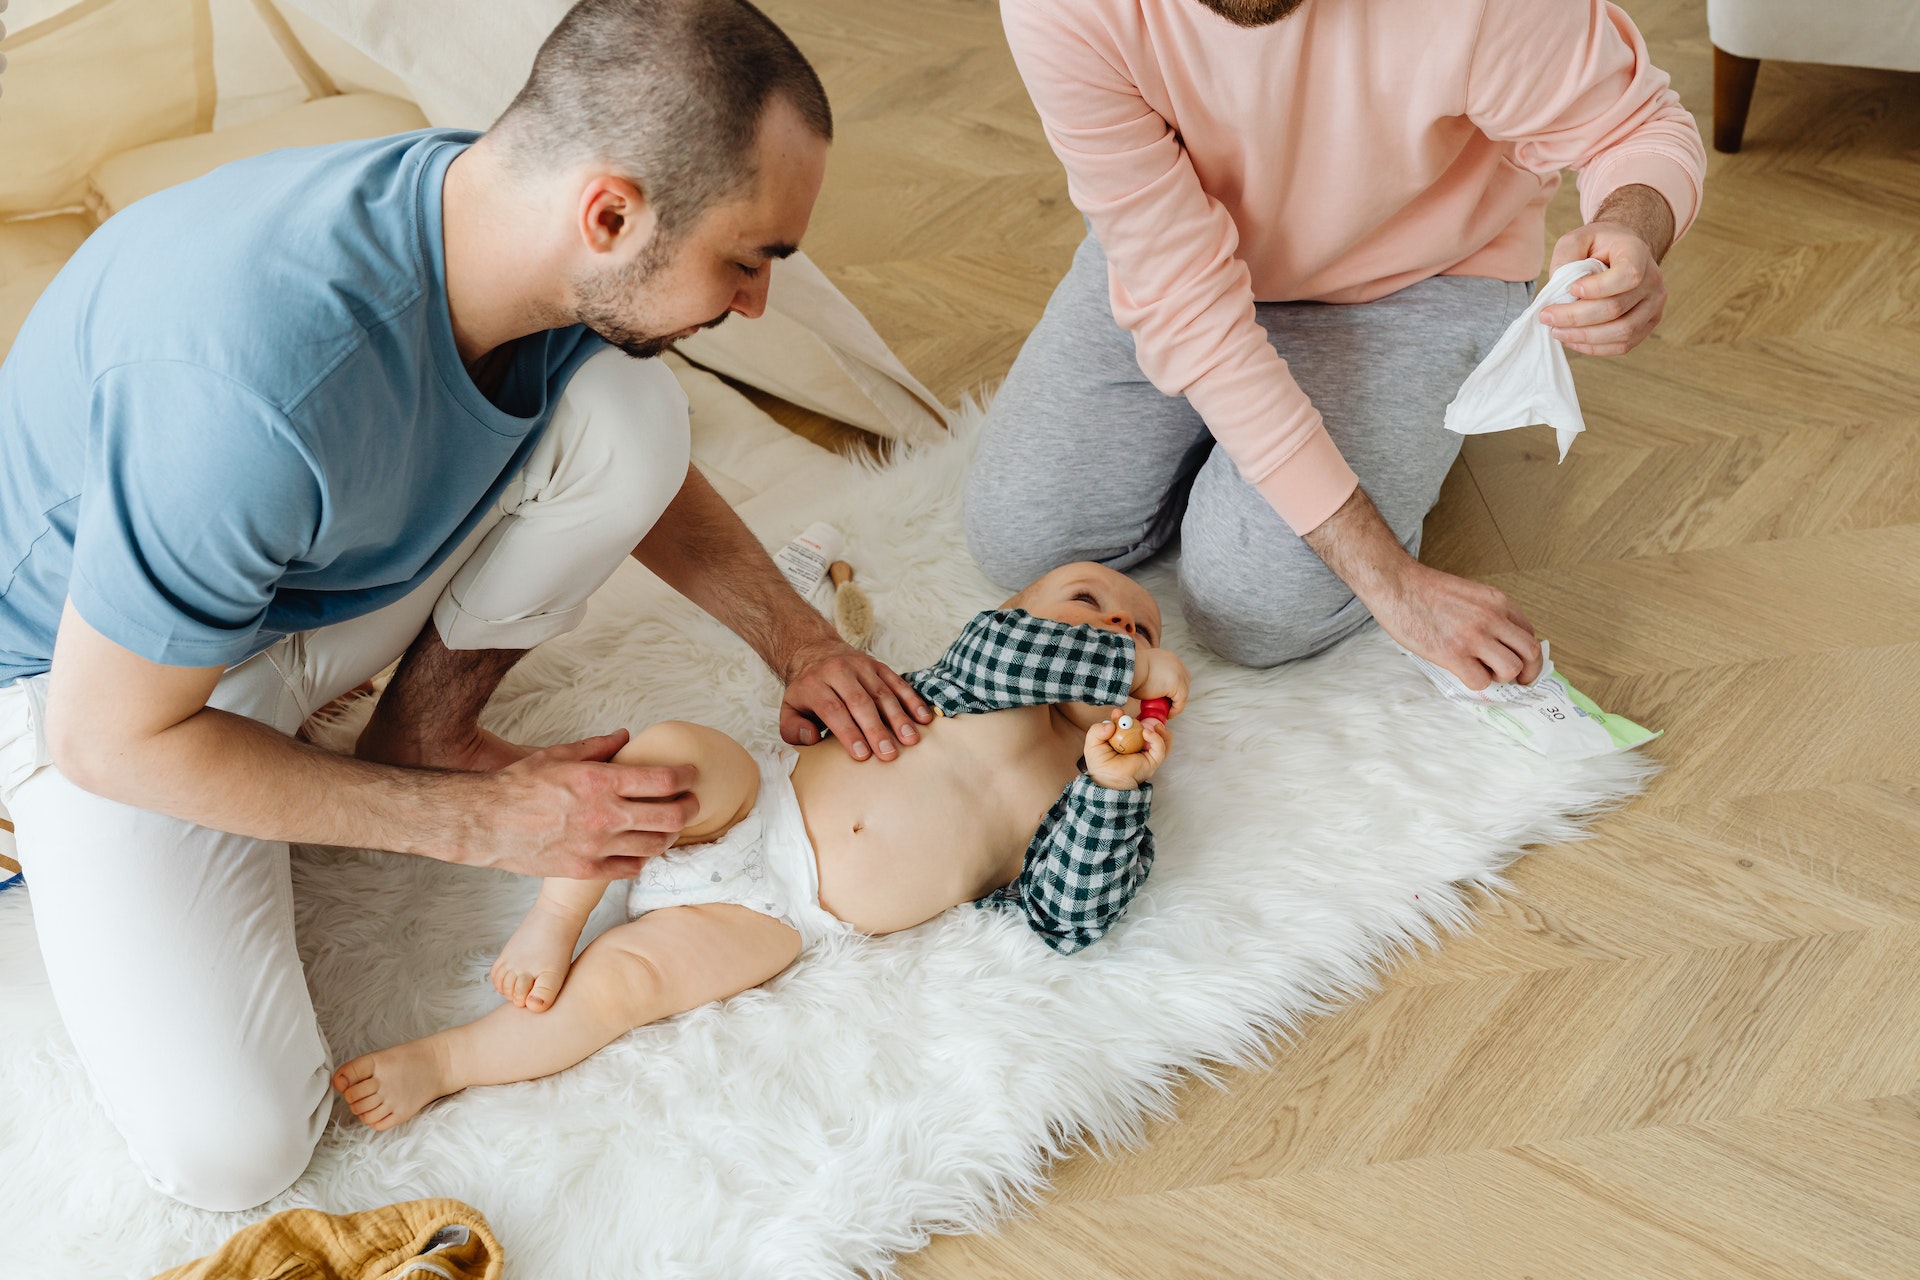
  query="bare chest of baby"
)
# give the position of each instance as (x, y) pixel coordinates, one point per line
(946, 822)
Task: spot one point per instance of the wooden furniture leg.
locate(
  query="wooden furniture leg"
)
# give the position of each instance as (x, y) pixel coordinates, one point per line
(1732, 95)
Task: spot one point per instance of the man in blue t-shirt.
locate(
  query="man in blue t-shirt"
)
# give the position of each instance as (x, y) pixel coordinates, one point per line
(328, 408)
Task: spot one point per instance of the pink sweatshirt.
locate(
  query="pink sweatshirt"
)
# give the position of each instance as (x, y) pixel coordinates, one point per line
(1352, 149)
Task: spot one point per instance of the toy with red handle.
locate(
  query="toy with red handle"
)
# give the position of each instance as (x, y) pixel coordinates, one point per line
(1130, 734)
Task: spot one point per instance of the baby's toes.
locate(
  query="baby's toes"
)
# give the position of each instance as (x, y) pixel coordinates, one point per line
(355, 1076)
(522, 984)
(545, 988)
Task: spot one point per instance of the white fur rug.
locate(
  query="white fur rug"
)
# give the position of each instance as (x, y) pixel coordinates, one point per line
(1312, 822)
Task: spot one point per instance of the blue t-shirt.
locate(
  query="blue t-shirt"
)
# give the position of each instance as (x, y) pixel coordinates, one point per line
(239, 413)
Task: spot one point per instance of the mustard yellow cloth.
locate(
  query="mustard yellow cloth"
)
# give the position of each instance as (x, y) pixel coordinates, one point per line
(416, 1239)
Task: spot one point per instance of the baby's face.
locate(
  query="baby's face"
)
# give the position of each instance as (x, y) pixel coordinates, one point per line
(1096, 596)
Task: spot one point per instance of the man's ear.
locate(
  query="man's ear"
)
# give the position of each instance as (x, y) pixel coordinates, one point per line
(614, 215)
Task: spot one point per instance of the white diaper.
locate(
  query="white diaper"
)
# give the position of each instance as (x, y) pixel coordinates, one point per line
(765, 863)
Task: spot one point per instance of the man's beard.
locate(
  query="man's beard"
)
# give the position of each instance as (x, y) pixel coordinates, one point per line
(1253, 13)
(602, 296)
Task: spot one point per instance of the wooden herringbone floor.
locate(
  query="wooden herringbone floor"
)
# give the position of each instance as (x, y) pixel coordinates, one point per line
(1691, 1046)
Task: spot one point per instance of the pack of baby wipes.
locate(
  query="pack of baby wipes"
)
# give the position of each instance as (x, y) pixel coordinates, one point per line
(1549, 715)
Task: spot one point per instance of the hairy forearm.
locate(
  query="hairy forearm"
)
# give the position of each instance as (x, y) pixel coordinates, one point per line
(1357, 544)
(1643, 211)
(234, 774)
(703, 550)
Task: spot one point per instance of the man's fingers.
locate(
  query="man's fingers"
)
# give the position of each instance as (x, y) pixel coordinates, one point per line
(866, 714)
(1632, 326)
(603, 747)
(1533, 663)
(1472, 672)
(909, 698)
(636, 847)
(1518, 618)
(1524, 646)
(1573, 316)
(891, 710)
(1501, 662)
(839, 721)
(653, 781)
(1514, 631)
(797, 728)
(622, 867)
(1627, 273)
(1601, 349)
(656, 818)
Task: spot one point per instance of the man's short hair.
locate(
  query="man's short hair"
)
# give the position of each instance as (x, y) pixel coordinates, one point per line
(668, 93)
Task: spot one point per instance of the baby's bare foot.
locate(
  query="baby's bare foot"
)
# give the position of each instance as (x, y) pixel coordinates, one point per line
(533, 965)
(389, 1087)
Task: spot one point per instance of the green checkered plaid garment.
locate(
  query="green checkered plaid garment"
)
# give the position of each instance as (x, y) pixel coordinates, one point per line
(1093, 849)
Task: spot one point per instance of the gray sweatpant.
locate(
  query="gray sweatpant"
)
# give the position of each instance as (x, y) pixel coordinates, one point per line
(1083, 459)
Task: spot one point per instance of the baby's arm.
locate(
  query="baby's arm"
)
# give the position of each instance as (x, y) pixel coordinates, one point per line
(1011, 658)
(1093, 849)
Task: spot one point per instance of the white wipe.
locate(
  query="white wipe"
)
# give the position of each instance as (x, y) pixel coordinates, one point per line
(1549, 715)
(1525, 379)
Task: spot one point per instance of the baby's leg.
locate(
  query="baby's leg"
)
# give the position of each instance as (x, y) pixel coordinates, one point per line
(533, 965)
(666, 962)
(728, 780)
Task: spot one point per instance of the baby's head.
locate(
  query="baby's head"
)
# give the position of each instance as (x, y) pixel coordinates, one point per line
(1095, 595)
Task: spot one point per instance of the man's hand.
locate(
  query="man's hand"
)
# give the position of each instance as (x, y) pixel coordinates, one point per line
(1620, 306)
(1471, 629)
(1119, 772)
(569, 811)
(141, 733)
(861, 700)
(700, 549)
(1158, 673)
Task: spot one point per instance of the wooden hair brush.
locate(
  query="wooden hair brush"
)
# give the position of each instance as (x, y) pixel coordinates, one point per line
(852, 611)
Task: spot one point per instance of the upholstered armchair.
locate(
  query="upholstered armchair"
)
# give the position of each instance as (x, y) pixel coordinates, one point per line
(1847, 33)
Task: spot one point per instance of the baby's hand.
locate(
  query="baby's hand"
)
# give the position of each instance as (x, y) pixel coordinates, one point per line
(1157, 673)
(1126, 772)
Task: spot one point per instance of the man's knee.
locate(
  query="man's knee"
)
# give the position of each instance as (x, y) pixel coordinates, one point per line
(1010, 551)
(238, 1147)
(618, 446)
(1008, 532)
(1264, 624)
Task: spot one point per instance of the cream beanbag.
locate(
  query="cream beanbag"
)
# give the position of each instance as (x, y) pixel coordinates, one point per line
(119, 180)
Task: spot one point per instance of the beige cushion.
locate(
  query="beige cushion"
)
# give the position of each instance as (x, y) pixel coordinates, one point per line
(17, 297)
(34, 242)
(96, 79)
(350, 70)
(31, 253)
(119, 181)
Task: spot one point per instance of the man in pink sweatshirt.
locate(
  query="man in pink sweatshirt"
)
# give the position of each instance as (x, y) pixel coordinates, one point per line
(1310, 219)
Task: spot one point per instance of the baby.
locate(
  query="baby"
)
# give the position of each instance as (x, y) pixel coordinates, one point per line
(791, 847)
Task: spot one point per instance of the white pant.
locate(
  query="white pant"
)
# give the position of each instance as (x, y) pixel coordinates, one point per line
(170, 946)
